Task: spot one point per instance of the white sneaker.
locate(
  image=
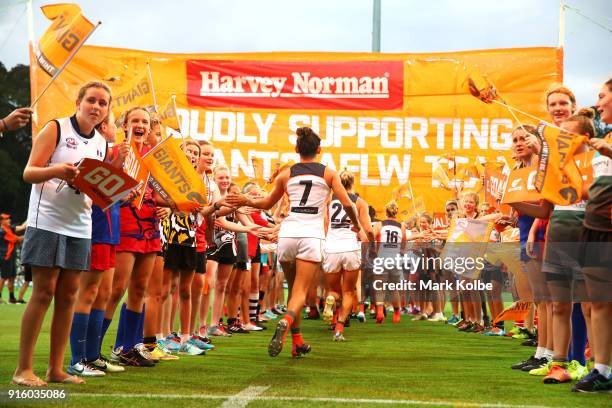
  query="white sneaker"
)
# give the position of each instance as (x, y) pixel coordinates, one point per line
(361, 317)
(252, 327)
(83, 369)
(115, 353)
(339, 337)
(191, 349)
(438, 317)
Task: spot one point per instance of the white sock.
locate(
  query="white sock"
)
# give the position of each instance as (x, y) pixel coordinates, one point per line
(604, 370)
(540, 352)
(184, 338)
(159, 336)
(548, 354)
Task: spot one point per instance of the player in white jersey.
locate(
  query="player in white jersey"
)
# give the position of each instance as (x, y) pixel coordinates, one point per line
(391, 236)
(343, 254)
(302, 234)
(57, 242)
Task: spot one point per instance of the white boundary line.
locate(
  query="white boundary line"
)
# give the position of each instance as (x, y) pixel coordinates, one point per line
(245, 396)
(253, 397)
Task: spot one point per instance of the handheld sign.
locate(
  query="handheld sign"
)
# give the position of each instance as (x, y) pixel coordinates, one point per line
(103, 183)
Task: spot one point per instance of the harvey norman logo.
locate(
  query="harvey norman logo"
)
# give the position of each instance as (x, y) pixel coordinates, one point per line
(337, 85)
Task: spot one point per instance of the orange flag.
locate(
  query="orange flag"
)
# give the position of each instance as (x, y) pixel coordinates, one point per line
(168, 115)
(103, 183)
(403, 191)
(134, 168)
(135, 91)
(516, 311)
(175, 179)
(68, 29)
(278, 169)
(440, 175)
(520, 186)
(257, 164)
(558, 178)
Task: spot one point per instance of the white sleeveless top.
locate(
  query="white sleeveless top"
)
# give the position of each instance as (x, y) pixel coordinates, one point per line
(308, 193)
(340, 236)
(67, 211)
(390, 237)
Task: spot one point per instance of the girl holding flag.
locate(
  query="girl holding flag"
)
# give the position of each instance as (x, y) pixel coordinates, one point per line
(139, 243)
(57, 243)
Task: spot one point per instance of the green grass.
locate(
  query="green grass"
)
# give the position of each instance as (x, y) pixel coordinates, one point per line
(411, 361)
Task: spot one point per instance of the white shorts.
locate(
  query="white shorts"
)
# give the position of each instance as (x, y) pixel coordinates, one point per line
(305, 249)
(348, 261)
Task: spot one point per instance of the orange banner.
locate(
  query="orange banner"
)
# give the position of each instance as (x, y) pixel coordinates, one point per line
(175, 179)
(439, 222)
(68, 30)
(103, 183)
(388, 118)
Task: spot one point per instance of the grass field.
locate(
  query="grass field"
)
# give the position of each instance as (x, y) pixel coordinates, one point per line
(410, 364)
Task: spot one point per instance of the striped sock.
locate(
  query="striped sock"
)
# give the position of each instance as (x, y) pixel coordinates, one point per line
(253, 301)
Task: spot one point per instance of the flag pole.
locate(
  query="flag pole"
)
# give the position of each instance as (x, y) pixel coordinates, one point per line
(179, 123)
(152, 87)
(412, 197)
(30, 13)
(59, 71)
(562, 24)
(526, 114)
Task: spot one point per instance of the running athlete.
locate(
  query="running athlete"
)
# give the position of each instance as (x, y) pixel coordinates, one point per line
(57, 243)
(343, 254)
(391, 235)
(300, 246)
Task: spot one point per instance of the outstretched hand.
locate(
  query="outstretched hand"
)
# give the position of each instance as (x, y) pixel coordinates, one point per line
(236, 200)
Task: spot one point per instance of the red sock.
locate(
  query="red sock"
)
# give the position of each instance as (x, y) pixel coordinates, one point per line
(361, 308)
(340, 327)
(289, 319)
(296, 338)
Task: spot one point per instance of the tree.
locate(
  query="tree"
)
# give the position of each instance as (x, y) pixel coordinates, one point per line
(14, 146)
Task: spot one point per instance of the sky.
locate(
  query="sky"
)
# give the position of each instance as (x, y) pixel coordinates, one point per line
(201, 26)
